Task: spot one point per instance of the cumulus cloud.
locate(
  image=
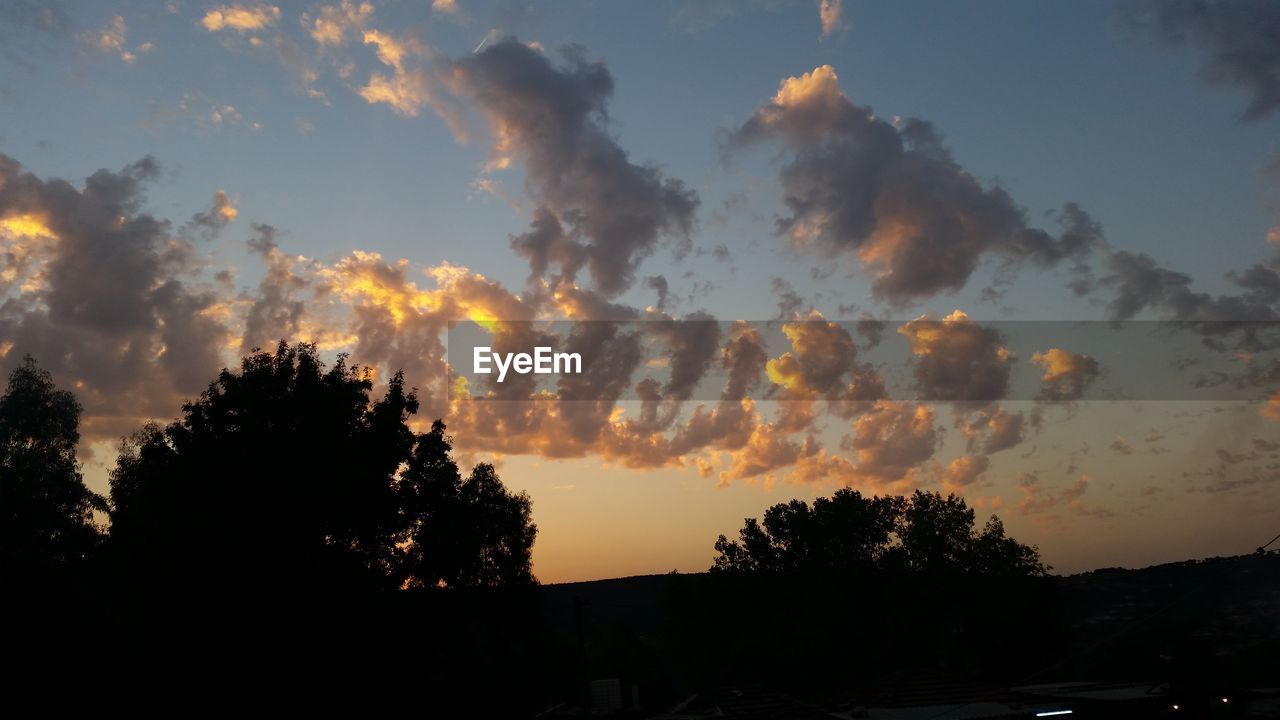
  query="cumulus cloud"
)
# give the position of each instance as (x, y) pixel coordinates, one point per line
(1066, 374)
(892, 441)
(109, 306)
(823, 364)
(597, 210)
(964, 471)
(958, 360)
(891, 195)
(990, 428)
(1238, 38)
(240, 18)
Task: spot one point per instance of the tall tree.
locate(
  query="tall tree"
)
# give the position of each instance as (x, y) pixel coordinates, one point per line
(286, 471)
(936, 533)
(46, 512)
(465, 533)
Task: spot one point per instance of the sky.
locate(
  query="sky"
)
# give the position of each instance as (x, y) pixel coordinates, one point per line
(850, 241)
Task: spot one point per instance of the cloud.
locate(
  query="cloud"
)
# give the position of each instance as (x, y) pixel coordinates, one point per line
(110, 306)
(891, 195)
(1238, 38)
(990, 429)
(831, 13)
(333, 23)
(1121, 446)
(1271, 409)
(1066, 374)
(111, 39)
(240, 18)
(1141, 283)
(789, 301)
(218, 216)
(892, 441)
(964, 471)
(1036, 499)
(445, 7)
(957, 360)
(407, 89)
(597, 211)
(277, 310)
(823, 364)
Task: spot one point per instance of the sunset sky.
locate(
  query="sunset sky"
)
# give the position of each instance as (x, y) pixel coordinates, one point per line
(181, 182)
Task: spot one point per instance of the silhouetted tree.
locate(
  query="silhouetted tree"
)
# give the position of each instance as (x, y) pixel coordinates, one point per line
(995, 553)
(847, 532)
(465, 533)
(843, 532)
(285, 471)
(46, 512)
(936, 533)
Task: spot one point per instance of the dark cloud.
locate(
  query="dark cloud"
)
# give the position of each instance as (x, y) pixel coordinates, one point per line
(111, 312)
(1140, 282)
(892, 440)
(1238, 37)
(597, 209)
(789, 301)
(871, 330)
(989, 429)
(958, 360)
(892, 195)
(658, 284)
(277, 310)
(729, 424)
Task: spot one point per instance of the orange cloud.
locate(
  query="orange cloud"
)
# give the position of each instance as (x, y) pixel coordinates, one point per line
(1271, 410)
(241, 18)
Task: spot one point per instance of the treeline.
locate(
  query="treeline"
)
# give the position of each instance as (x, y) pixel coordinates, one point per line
(849, 533)
(284, 472)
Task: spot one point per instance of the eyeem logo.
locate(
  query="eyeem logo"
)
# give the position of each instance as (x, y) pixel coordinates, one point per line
(541, 362)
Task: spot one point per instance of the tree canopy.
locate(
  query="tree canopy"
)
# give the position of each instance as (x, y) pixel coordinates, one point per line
(46, 512)
(287, 471)
(849, 532)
